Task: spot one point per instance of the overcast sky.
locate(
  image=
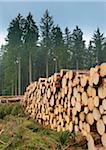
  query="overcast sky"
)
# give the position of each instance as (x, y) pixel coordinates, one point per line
(87, 15)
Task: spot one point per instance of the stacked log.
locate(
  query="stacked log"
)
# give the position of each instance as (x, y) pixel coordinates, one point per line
(10, 99)
(71, 100)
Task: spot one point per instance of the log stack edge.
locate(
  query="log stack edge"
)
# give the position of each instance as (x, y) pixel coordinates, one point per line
(70, 100)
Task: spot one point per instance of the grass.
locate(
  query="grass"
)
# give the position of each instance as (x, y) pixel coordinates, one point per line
(19, 133)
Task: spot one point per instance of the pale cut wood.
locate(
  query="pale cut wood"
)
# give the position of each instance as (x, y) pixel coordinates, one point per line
(64, 82)
(56, 77)
(84, 98)
(76, 120)
(76, 128)
(91, 145)
(82, 116)
(102, 92)
(90, 118)
(78, 106)
(104, 119)
(74, 111)
(83, 80)
(103, 69)
(75, 81)
(86, 110)
(90, 104)
(78, 98)
(96, 114)
(75, 92)
(48, 93)
(80, 125)
(100, 127)
(73, 101)
(88, 128)
(104, 104)
(90, 81)
(93, 92)
(69, 95)
(70, 126)
(69, 83)
(84, 132)
(95, 78)
(52, 101)
(70, 74)
(92, 71)
(96, 101)
(103, 139)
(65, 90)
(63, 72)
(101, 109)
(89, 91)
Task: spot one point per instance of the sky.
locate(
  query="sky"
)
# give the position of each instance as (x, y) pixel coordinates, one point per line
(88, 15)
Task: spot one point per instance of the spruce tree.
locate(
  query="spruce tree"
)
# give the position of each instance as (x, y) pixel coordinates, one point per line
(46, 26)
(98, 40)
(78, 46)
(30, 37)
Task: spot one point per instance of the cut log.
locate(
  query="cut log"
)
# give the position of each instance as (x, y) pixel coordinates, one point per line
(96, 114)
(103, 139)
(101, 109)
(95, 78)
(104, 119)
(84, 98)
(73, 101)
(89, 118)
(104, 104)
(91, 145)
(86, 110)
(100, 127)
(70, 74)
(103, 69)
(82, 116)
(78, 106)
(96, 101)
(102, 92)
(83, 80)
(90, 104)
(71, 126)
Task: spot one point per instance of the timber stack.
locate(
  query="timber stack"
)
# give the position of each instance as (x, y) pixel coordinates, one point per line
(71, 100)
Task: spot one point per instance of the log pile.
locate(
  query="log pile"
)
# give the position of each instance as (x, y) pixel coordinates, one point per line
(10, 99)
(71, 100)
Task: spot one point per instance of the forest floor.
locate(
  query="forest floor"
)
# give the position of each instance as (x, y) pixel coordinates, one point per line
(18, 132)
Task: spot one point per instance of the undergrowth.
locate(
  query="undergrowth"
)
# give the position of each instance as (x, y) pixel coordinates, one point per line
(17, 132)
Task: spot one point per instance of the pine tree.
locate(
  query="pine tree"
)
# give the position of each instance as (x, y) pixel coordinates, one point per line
(30, 37)
(12, 59)
(78, 48)
(90, 58)
(68, 46)
(58, 50)
(46, 27)
(98, 40)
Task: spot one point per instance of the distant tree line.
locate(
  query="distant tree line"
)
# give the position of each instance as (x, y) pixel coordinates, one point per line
(31, 52)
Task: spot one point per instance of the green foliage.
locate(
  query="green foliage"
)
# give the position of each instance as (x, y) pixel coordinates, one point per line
(15, 110)
(64, 138)
(32, 52)
(98, 40)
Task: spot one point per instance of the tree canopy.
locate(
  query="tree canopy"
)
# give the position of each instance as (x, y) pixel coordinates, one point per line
(33, 51)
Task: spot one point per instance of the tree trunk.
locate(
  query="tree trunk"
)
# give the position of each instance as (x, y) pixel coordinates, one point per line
(12, 88)
(16, 86)
(30, 68)
(19, 77)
